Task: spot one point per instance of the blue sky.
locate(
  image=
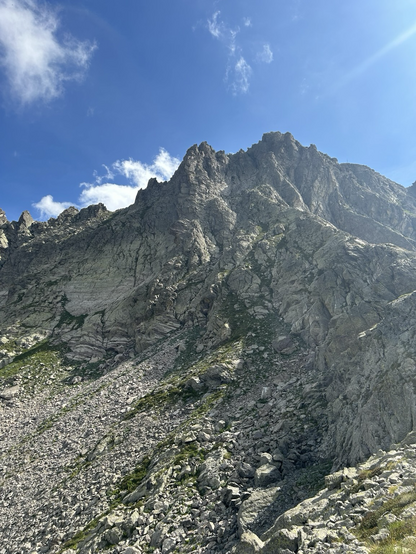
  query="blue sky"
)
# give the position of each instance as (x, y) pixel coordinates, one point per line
(97, 96)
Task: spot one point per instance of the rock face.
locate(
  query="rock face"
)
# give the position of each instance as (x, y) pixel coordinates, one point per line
(181, 372)
(358, 509)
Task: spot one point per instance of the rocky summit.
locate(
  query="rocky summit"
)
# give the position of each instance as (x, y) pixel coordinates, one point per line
(227, 365)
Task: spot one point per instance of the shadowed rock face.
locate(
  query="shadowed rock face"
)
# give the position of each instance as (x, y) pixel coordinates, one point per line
(303, 268)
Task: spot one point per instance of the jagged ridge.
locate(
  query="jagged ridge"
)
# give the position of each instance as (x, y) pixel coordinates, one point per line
(254, 242)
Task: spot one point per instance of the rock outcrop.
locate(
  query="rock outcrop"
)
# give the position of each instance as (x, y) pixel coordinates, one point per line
(361, 508)
(180, 373)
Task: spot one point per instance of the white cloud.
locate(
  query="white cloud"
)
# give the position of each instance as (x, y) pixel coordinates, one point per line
(49, 208)
(266, 55)
(163, 167)
(100, 178)
(238, 72)
(222, 32)
(239, 76)
(247, 22)
(37, 62)
(112, 195)
(215, 27)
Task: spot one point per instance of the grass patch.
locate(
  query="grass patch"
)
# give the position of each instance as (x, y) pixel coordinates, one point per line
(132, 480)
(42, 353)
(10, 346)
(369, 474)
(89, 371)
(189, 451)
(42, 347)
(401, 539)
(368, 525)
(156, 400)
(81, 535)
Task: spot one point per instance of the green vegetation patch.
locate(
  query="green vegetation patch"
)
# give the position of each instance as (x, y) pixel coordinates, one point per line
(396, 505)
(191, 450)
(81, 535)
(368, 474)
(10, 346)
(42, 353)
(155, 400)
(89, 371)
(132, 480)
(401, 539)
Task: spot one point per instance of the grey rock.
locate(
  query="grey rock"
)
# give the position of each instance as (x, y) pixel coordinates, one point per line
(249, 544)
(382, 535)
(250, 509)
(230, 494)
(266, 475)
(284, 344)
(158, 536)
(113, 536)
(217, 375)
(265, 458)
(209, 471)
(195, 384)
(245, 470)
(283, 540)
(10, 392)
(181, 293)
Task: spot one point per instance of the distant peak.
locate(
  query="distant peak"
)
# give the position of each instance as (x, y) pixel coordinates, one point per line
(3, 218)
(25, 220)
(93, 211)
(206, 148)
(67, 214)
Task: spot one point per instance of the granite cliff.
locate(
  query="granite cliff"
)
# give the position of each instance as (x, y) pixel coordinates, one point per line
(177, 374)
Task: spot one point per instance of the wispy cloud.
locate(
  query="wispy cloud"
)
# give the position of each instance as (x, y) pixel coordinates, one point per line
(222, 32)
(215, 27)
(112, 195)
(238, 71)
(238, 76)
(247, 22)
(98, 179)
(36, 61)
(266, 55)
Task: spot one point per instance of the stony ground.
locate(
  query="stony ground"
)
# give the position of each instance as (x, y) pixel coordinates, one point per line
(52, 433)
(369, 508)
(185, 451)
(175, 450)
(176, 375)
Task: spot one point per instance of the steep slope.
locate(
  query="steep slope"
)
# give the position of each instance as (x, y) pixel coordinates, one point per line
(208, 352)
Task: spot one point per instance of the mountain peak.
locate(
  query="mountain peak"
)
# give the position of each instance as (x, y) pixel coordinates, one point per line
(220, 345)
(3, 218)
(25, 219)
